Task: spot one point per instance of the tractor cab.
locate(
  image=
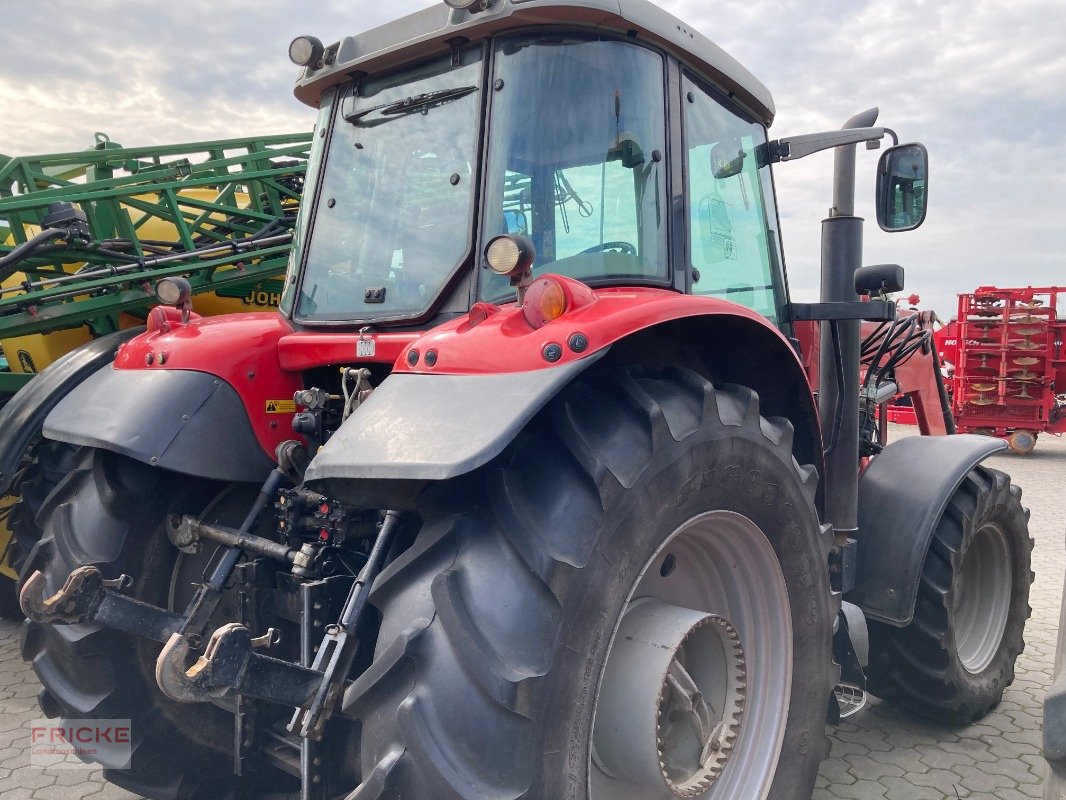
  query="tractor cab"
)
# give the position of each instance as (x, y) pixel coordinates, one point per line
(617, 152)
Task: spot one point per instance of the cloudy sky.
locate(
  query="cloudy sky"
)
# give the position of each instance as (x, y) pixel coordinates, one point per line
(978, 81)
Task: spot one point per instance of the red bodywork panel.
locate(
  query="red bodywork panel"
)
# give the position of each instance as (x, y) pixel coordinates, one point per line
(504, 342)
(306, 350)
(262, 357)
(242, 349)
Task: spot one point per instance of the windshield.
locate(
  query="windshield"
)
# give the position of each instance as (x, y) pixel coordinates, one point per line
(576, 159)
(393, 217)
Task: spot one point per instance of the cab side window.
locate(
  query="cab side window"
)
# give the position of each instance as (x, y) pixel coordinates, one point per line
(734, 243)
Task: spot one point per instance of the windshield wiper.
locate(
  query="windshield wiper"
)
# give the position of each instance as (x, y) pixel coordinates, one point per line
(420, 102)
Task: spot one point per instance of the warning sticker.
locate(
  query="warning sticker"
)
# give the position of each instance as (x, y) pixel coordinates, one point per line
(280, 407)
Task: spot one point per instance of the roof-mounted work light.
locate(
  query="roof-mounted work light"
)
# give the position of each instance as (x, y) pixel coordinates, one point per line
(306, 51)
(469, 5)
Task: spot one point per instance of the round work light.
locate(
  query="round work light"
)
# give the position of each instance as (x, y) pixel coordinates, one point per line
(306, 51)
(173, 291)
(510, 255)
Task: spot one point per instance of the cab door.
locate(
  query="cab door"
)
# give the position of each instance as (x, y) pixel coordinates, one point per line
(734, 249)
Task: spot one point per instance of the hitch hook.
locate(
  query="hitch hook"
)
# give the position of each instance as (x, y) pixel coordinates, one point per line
(229, 664)
(75, 602)
(213, 674)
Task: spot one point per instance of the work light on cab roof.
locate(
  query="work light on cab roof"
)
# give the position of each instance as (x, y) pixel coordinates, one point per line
(306, 51)
(469, 5)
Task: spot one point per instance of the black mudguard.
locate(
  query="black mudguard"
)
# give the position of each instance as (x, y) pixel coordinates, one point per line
(902, 496)
(417, 428)
(189, 422)
(22, 417)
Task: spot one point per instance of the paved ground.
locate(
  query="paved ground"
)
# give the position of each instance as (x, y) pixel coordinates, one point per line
(877, 755)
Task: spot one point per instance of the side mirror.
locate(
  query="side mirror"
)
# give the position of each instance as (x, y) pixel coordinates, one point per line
(902, 187)
(727, 159)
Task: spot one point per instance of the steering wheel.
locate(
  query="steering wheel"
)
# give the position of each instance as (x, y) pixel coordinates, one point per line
(612, 247)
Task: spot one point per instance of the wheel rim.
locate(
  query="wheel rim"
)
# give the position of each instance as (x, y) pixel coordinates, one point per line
(694, 696)
(982, 599)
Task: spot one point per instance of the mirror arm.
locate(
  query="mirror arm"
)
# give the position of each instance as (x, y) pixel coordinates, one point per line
(793, 147)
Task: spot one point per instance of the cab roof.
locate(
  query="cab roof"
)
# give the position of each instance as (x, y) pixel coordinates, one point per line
(429, 32)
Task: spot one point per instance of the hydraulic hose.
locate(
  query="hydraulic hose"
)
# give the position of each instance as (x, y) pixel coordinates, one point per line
(9, 263)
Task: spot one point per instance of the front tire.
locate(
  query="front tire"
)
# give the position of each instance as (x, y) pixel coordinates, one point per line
(952, 663)
(500, 623)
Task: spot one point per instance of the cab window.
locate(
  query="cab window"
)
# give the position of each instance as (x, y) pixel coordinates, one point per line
(734, 245)
(576, 158)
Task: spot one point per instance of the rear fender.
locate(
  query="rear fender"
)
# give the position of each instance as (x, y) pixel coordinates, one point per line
(491, 373)
(902, 496)
(206, 398)
(240, 349)
(22, 417)
(188, 422)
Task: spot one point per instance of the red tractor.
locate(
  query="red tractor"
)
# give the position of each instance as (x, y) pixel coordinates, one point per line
(525, 491)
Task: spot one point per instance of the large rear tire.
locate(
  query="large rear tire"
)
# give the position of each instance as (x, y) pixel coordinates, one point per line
(952, 663)
(46, 463)
(505, 623)
(109, 512)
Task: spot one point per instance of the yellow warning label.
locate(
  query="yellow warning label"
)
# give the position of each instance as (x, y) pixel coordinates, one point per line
(281, 407)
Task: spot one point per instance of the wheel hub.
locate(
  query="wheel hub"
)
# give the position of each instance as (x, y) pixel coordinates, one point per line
(672, 699)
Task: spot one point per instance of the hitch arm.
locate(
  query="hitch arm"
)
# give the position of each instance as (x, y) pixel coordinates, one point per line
(86, 595)
(340, 645)
(228, 663)
(209, 595)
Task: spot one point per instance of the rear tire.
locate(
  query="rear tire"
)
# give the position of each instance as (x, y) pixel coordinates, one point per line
(109, 512)
(47, 463)
(952, 663)
(498, 621)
